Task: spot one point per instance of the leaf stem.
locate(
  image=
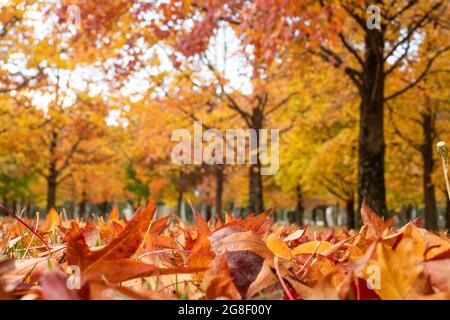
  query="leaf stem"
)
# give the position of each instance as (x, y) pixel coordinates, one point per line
(25, 224)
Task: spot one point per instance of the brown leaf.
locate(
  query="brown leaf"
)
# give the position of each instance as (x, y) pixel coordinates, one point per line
(217, 282)
(242, 241)
(375, 225)
(264, 280)
(259, 224)
(122, 247)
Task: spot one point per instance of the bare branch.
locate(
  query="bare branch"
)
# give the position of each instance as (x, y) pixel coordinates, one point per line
(420, 77)
(351, 49)
(412, 28)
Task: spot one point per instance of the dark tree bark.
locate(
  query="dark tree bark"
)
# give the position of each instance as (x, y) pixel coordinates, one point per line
(256, 190)
(428, 166)
(208, 212)
(51, 189)
(219, 191)
(369, 77)
(314, 216)
(52, 175)
(371, 183)
(83, 204)
(275, 215)
(256, 187)
(179, 201)
(350, 209)
(323, 210)
(299, 209)
(408, 213)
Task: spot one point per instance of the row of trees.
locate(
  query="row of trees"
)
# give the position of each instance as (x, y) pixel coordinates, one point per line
(87, 110)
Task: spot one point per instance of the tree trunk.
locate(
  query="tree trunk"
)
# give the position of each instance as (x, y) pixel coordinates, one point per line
(274, 216)
(179, 202)
(208, 212)
(371, 132)
(83, 204)
(51, 189)
(408, 213)
(52, 172)
(323, 209)
(256, 191)
(314, 216)
(300, 209)
(82, 208)
(428, 166)
(219, 191)
(350, 209)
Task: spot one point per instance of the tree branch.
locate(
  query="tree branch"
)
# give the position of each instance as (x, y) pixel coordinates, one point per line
(420, 77)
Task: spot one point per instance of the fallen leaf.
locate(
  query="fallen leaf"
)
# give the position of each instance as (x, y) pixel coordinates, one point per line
(121, 247)
(375, 225)
(278, 246)
(439, 273)
(312, 246)
(53, 286)
(399, 269)
(217, 282)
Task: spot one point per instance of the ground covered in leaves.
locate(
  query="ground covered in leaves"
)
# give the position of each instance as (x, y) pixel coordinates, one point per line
(252, 258)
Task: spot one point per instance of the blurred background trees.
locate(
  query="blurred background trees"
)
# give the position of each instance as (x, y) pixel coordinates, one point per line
(90, 93)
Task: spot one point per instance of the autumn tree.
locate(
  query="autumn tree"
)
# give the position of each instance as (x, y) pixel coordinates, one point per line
(374, 53)
(419, 119)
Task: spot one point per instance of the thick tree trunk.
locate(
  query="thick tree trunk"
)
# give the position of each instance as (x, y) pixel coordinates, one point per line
(371, 132)
(299, 209)
(350, 208)
(51, 189)
(52, 172)
(255, 187)
(219, 191)
(256, 190)
(428, 166)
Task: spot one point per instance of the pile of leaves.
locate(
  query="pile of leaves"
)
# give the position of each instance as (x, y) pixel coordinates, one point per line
(251, 258)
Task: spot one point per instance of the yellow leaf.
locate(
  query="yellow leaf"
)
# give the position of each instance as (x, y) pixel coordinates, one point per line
(278, 247)
(311, 247)
(398, 269)
(51, 221)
